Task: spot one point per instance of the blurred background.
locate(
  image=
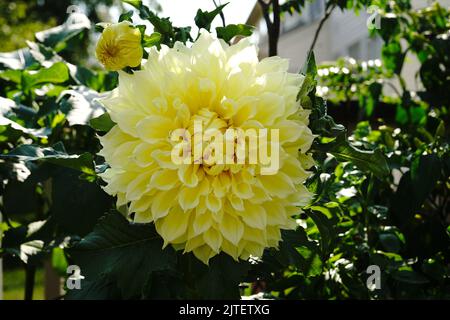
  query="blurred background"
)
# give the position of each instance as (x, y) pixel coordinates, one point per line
(344, 34)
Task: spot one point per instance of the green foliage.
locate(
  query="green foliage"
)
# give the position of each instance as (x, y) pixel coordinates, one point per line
(164, 28)
(332, 137)
(50, 195)
(124, 260)
(203, 19)
(120, 256)
(230, 31)
(102, 123)
(398, 221)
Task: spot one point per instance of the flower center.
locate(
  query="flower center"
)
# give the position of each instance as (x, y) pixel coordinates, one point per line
(214, 144)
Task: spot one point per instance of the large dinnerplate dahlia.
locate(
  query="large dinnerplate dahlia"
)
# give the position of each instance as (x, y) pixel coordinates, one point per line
(214, 207)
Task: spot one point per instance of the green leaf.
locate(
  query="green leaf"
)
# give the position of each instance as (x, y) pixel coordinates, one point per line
(230, 31)
(425, 173)
(410, 277)
(308, 85)
(30, 152)
(401, 115)
(87, 202)
(390, 242)
(135, 3)
(292, 6)
(126, 16)
(312, 265)
(393, 57)
(26, 241)
(375, 89)
(152, 40)
(390, 27)
(326, 229)
(221, 279)
(310, 67)
(12, 196)
(57, 73)
(371, 161)
(96, 80)
(8, 106)
(161, 25)
(122, 255)
(58, 36)
(11, 75)
(415, 186)
(288, 254)
(59, 261)
(203, 19)
(102, 123)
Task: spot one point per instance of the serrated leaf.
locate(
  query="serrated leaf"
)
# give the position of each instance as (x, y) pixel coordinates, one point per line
(102, 123)
(122, 255)
(230, 31)
(203, 19)
(370, 161)
(126, 16)
(326, 229)
(30, 152)
(152, 40)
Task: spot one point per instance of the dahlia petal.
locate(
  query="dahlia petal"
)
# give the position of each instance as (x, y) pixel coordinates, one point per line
(204, 253)
(201, 223)
(255, 216)
(188, 198)
(143, 217)
(164, 179)
(173, 225)
(138, 186)
(151, 129)
(161, 204)
(278, 185)
(213, 203)
(231, 228)
(213, 239)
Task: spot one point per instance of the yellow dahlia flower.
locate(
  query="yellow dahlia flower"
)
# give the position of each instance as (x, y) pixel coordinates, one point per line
(119, 46)
(207, 208)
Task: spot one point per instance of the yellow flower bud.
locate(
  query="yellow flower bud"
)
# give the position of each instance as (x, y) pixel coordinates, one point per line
(120, 46)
